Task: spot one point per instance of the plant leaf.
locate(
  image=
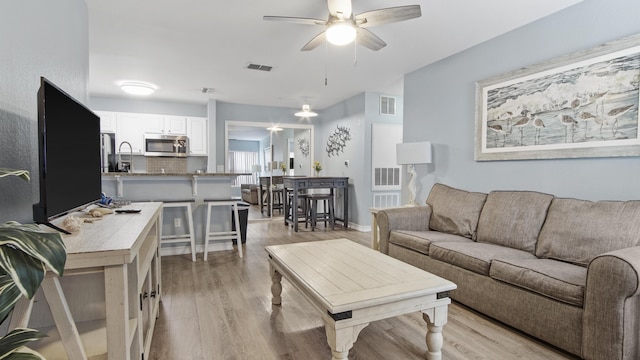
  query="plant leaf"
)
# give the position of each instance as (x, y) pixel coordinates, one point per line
(9, 295)
(17, 339)
(45, 246)
(24, 356)
(27, 272)
(23, 174)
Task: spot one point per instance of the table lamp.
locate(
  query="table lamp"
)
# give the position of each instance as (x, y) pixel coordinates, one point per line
(412, 154)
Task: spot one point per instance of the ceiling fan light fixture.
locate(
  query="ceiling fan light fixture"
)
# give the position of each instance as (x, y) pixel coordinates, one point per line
(306, 112)
(341, 33)
(137, 88)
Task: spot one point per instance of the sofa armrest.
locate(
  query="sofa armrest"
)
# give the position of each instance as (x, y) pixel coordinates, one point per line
(245, 186)
(415, 218)
(612, 306)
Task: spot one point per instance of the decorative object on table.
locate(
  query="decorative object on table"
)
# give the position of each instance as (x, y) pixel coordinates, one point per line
(412, 154)
(338, 140)
(26, 252)
(580, 105)
(317, 167)
(283, 167)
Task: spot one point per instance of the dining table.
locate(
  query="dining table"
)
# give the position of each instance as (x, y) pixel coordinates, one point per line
(299, 184)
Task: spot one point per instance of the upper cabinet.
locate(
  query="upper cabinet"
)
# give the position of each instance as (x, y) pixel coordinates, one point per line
(107, 121)
(197, 134)
(167, 124)
(175, 125)
(130, 129)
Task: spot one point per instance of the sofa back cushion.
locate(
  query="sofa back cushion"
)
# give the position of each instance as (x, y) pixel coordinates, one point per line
(576, 231)
(455, 211)
(513, 218)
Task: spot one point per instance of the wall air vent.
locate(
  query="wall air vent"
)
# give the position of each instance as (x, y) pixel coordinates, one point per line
(259, 67)
(387, 105)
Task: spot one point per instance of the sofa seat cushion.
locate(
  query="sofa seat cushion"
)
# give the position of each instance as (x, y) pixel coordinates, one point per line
(455, 211)
(555, 279)
(473, 256)
(576, 231)
(513, 218)
(421, 240)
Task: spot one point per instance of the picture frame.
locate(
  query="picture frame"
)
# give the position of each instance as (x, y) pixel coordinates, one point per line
(579, 105)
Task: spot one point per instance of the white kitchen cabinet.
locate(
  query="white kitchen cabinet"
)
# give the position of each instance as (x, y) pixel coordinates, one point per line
(107, 121)
(197, 134)
(165, 124)
(131, 128)
(175, 125)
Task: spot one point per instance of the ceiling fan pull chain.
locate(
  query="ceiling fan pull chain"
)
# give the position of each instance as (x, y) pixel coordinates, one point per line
(326, 56)
(355, 52)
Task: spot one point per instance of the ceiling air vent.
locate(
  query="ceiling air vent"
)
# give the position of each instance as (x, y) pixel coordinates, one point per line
(208, 90)
(259, 67)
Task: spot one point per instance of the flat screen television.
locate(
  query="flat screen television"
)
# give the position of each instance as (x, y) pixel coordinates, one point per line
(69, 152)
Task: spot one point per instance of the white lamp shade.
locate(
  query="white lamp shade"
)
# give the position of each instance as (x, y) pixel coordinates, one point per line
(413, 153)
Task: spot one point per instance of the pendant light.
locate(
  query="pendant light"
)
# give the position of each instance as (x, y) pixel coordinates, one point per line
(306, 112)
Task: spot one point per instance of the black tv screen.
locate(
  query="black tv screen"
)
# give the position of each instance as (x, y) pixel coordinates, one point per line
(69, 151)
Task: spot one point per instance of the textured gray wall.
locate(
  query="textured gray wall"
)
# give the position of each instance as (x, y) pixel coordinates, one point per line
(440, 100)
(38, 38)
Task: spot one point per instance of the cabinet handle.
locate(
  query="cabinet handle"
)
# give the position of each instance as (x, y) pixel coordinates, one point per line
(145, 295)
(153, 294)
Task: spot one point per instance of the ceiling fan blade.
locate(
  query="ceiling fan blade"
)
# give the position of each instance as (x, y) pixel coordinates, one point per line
(370, 40)
(315, 42)
(388, 15)
(296, 20)
(340, 6)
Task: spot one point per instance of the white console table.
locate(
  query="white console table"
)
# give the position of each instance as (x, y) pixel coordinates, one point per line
(106, 303)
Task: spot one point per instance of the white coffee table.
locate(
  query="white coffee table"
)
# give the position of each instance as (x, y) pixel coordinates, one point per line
(352, 285)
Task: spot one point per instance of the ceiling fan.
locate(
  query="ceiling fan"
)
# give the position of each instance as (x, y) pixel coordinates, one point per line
(342, 26)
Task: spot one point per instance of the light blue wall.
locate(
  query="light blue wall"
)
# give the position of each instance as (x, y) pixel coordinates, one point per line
(37, 38)
(358, 114)
(439, 107)
(147, 106)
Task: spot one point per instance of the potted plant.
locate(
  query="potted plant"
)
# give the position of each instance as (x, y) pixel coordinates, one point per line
(317, 167)
(26, 252)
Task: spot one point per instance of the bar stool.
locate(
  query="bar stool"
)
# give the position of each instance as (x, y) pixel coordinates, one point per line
(190, 237)
(301, 208)
(327, 214)
(222, 235)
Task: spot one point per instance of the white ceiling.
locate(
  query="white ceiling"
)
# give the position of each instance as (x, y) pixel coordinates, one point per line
(182, 46)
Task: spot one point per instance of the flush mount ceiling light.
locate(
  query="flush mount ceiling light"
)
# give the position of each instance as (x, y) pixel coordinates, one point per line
(137, 88)
(341, 32)
(306, 111)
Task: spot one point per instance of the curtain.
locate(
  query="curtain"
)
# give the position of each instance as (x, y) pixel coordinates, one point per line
(242, 162)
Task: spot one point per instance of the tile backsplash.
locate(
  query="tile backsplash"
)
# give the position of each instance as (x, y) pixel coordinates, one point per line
(171, 165)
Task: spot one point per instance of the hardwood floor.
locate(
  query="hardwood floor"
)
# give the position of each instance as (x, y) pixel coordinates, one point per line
(221, 309)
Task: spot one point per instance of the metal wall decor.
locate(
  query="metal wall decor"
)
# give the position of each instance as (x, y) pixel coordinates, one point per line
(338, 140)
(303, 145)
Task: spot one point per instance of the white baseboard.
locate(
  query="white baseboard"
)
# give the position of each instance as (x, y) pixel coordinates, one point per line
(360, 228)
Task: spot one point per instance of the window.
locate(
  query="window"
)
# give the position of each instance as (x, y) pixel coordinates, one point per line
(242, 162)
(387, 105)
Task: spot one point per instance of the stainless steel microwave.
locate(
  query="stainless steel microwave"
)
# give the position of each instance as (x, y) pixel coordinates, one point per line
(166, 145)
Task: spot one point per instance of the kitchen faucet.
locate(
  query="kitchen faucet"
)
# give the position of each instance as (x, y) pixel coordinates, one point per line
(130, 155)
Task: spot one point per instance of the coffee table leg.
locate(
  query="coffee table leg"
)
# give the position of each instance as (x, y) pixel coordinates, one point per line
(435, 318)
(341, 340)
(276, 286)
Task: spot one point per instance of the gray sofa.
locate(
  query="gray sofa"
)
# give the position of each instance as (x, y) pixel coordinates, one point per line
(249, 193)
(566, 271)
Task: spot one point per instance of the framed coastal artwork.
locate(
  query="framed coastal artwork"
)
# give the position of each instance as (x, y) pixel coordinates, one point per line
(580, 105)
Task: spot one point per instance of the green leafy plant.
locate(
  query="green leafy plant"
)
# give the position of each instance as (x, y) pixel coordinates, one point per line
(26, 252)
